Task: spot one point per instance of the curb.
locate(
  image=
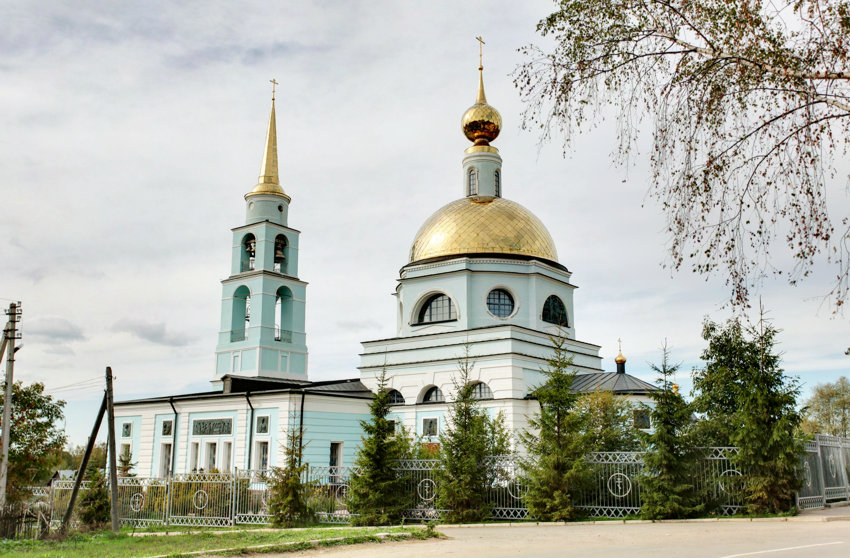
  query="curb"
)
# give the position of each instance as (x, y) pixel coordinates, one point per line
(803, 519)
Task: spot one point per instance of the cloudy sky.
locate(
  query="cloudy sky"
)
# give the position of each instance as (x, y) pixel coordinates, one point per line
(129, 133)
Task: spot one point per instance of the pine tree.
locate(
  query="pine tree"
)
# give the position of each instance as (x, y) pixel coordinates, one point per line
(377, 491)
(758, 413)
(670, 462)
(125, 464)
(287, 502)
(555, 470)
(471, 439)
(94, 503)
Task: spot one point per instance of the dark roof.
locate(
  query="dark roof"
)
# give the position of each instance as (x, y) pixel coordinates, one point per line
(619, 383)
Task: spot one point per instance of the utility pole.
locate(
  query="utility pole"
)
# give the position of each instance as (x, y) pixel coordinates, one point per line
(83, 464)
(113, 470)
(9, 336)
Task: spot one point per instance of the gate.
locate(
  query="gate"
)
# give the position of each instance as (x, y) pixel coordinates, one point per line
(252, 492)
(421, 482)
(616, 491)
(327, 492)
(810, 495)
(834, 456)
(142, 501)
(201, 499)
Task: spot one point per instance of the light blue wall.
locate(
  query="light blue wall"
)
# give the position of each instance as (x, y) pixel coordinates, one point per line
(159, 439)
(275, 437)
(134, 439)
(321, 428)
(423, 413)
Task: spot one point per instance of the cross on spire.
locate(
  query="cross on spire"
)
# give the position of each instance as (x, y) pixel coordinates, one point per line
(480, 52)
(620, 344)
(274, 83)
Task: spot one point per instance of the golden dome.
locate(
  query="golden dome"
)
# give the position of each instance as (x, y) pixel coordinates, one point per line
(483, 225)
(620, 359)
(481, 123)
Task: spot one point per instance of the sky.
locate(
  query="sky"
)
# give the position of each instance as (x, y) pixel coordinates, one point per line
(129, 133)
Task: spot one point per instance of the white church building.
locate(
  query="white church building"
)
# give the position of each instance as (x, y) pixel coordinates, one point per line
(483, 279)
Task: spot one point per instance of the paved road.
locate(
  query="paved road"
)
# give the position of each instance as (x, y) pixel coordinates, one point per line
(771, 539)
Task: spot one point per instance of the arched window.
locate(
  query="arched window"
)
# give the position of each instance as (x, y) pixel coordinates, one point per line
(241, 316)
(498, 179)
(500, 303)
(396, 398)
(555, 312)
(472, 182)
(249, 252)
(283, 315)
(438, 308)
(280, 246)
(480, 390)
(433, 395)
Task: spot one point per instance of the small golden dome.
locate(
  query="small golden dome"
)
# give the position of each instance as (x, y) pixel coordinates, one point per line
(481, 123)
(620, 359)
(483, 225)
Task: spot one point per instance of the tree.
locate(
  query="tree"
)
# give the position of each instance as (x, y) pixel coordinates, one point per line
(125, 464)
(35, 436)
(286, 502)
(607, 421)
(72, 456)
(94, 503)
(744, 389)
(827, 411)
(555, 471)
(376, 491)
(751, 104)
(670, 462)
(470, 440)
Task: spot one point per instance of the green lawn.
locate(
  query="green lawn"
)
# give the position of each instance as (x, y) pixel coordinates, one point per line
(236, 542)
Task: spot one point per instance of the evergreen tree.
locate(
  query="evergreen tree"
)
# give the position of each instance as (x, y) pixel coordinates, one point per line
(471, 438)
(555, 470)
(94, 503)
(377, 492)
(670, 462)
(761, 418)
(125, 464)
(287, 502)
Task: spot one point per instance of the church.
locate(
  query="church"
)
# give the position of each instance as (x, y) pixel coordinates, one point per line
(482, 283)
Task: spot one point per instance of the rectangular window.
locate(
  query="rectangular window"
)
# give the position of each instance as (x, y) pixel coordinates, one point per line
(126, 429)
(261, 456)
(226, 456)
(236, 358)
(165, 460)
(263, 424)
(211, 462)
(193, 458)
(641, 419)
(125, 449)
(430, 428)
(167, 427)
(336, 454)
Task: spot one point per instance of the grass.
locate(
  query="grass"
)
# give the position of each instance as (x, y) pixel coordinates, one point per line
(230, 543)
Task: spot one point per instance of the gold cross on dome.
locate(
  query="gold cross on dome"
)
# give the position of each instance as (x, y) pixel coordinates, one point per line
(480, 51)
(274, 83)
(620, 344)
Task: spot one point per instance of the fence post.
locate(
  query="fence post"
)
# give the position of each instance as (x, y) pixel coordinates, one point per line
(168, 493)
(235, 487)
(820, 471)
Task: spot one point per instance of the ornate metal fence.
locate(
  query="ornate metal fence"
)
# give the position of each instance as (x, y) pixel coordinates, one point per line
(214, 500)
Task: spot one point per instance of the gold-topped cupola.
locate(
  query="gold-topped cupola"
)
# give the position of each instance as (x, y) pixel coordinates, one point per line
(481, 123)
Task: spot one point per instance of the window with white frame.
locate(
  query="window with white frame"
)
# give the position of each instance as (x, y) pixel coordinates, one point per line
(430, 428)
(211, 454)
(226, 456)
(193, 457)
(263, 424)
(126, 429)
(167, 427)
(261, 456)
(165, 459)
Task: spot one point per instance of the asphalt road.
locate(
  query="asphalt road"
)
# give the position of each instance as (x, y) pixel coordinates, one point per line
(715, 539)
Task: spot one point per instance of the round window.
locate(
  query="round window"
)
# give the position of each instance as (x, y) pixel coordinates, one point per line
(500, 303)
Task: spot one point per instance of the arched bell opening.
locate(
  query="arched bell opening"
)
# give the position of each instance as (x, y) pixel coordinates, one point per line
(241, 316)
(281, 251)
(283, 318)
(249, 252)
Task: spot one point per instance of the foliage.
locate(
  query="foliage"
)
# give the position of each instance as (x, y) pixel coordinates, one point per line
(70, 458)
(750, 102)
(607, 421)
(125, 464)
(670, 461)
(743, 389)
(554, 470)
(827, 411)
(376, 491)
(94, 502)
(470, 438)
(35, 436)
(286, 502)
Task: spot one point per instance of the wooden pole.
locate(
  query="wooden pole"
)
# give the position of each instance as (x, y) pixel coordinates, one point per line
(9, 335)
(113, 470)
(83, 464)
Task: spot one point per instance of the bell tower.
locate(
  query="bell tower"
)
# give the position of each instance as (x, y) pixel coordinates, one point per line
(263, 301)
